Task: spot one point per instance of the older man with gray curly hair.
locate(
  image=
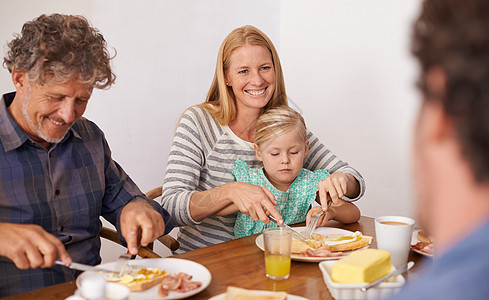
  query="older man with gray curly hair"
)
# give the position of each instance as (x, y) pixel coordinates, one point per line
(57, 176)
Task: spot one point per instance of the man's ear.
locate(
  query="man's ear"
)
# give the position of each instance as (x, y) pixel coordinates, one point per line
(439, 125)
(435, 126)
(258, 153)
(19, 79)
(436, 83)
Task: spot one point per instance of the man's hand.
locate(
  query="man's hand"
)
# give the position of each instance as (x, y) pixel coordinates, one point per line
(141, 224)
(30, 246)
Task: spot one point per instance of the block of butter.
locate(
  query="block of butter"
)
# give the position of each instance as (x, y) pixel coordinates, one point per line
(361, 266)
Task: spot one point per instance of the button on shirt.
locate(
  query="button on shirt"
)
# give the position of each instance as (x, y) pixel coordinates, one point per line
(64, 189)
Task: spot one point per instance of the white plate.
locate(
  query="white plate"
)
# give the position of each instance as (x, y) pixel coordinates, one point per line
(415, 240)
(289, 297)
(352, 290)
(319, 230)
(171, 265)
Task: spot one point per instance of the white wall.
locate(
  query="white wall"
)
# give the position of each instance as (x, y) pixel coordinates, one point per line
(347, 67)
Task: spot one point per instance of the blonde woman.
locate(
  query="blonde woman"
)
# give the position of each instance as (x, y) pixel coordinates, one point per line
(198, 184)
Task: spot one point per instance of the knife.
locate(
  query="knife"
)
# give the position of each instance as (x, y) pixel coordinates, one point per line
(401, 269)
(82, 267)
(294, 232)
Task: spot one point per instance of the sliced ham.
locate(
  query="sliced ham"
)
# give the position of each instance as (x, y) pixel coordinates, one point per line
(162, 291)
(321, 252)
(423, 247)
(171, 282)
(180, 282)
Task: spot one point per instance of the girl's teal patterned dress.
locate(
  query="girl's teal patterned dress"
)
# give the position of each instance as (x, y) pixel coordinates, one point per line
(293, 205)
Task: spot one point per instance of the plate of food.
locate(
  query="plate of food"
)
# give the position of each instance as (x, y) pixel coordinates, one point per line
(421, 243)
(158, 278)
(327, 243)
(239, 293)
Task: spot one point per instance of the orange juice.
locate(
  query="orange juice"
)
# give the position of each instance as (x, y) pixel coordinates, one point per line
(277, 266)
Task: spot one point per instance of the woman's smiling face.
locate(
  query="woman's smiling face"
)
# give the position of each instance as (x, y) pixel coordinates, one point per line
(252, 76)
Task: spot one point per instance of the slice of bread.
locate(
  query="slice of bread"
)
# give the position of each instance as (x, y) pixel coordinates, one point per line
(299, 246)
(235, 293)
(423, 237)
(353, 245)
(322, 241)
(141, 285)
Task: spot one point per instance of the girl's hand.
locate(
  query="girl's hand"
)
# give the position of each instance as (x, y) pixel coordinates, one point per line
(335, 186)
(344, 212)
(324, 218)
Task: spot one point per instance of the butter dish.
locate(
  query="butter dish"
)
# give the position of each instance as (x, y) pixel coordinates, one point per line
(352, 290)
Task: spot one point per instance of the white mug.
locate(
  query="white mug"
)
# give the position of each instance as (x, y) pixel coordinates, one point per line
(394, 235)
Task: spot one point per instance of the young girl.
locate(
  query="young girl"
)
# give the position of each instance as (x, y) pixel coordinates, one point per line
(281, 145)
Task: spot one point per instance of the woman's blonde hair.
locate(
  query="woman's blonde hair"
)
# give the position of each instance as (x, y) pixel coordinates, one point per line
(277, 121)
(220, 101)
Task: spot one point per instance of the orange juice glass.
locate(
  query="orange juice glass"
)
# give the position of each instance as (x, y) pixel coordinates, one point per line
(278, 243)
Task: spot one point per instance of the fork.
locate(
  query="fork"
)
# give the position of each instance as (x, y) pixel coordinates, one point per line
(313, 221)
(121, 264)
(294, 232)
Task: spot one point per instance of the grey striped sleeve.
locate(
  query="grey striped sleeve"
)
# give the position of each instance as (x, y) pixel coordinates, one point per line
(320, 157)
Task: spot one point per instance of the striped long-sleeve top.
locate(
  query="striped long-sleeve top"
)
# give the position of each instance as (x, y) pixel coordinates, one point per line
(201, 158)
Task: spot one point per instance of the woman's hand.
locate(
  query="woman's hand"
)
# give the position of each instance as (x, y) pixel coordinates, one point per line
(252, 200)
(255, 201)
(335, 186)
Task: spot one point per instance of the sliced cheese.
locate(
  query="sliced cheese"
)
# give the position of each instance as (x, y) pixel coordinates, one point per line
(361, 266)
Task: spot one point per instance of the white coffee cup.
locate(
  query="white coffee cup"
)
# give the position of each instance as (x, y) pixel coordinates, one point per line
(394, 235)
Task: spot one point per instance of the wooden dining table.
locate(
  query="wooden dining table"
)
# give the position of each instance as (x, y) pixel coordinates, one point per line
(240, 263)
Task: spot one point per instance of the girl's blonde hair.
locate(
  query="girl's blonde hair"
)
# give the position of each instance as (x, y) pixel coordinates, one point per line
(277, 121)
(221, 102)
